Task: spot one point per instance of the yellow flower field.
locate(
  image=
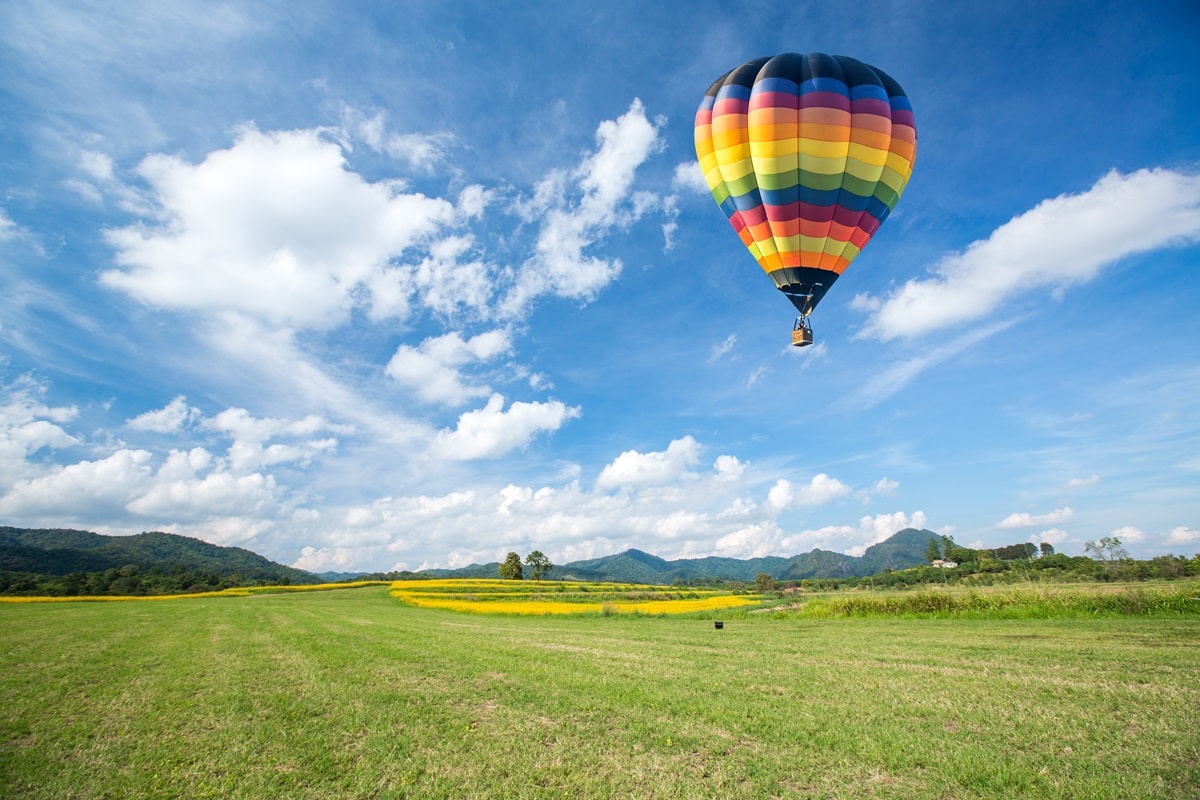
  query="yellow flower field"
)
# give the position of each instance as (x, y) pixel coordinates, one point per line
(487, 596)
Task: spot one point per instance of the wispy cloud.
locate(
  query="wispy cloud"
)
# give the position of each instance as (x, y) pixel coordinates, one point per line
(561, 265)
(1079, 483)
(1063, 241)
(1024, 519)
(894, 378)
(723, 348)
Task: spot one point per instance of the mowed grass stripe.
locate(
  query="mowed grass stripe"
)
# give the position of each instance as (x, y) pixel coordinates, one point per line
(351, 694)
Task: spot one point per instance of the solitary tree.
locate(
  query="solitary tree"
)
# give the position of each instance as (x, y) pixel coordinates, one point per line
(538, 564)
(932, 551)
(1046, 548)
(1109, 551)
(511, 569)
(763, 582)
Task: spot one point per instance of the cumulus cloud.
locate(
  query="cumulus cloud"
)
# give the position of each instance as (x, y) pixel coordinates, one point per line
(28, 425)
(688, 177)
(819, 490)
(632, 468)
(885, 487)
(767, 537)
(1128, 534)
(275, 227)
(729, 468)
(1183, 535)
(252, 447)
(873, 530)
(491, 431)
(1063, 241)
(174, 416)
(218, 494)
(1053, 536)
(432, 369)
(567, 229)
(1024, 519)
(227, 496)
(98, 488)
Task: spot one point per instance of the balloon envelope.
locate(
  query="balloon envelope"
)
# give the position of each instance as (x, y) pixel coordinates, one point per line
(806, 155)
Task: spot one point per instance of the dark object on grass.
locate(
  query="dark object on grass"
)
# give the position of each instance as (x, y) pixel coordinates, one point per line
(718, 625)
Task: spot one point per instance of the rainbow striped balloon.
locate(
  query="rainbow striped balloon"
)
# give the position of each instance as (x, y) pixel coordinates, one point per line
(806, 155)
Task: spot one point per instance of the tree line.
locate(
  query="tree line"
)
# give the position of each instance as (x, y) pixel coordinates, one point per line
(131, 581)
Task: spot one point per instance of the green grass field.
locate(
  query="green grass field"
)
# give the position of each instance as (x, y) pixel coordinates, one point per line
(351, 694)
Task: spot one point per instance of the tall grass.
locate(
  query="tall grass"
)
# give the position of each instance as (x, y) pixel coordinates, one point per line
(1028, 602)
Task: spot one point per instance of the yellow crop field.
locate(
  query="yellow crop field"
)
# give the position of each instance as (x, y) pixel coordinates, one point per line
(480, 596)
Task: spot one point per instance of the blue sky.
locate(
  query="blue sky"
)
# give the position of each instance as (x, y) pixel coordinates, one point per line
(415, 284)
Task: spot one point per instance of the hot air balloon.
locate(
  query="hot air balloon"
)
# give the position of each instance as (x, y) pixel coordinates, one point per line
(807, 155)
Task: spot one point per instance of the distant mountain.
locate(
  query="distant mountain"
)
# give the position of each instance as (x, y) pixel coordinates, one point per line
(901, 550)
(62, 552)
(338, 577)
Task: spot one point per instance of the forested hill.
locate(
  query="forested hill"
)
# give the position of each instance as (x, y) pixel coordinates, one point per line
(163, 556)
(901, 550)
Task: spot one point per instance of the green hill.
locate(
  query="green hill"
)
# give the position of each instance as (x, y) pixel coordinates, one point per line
(40, 555)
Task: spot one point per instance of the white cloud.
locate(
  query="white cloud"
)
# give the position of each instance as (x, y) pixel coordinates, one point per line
(1054, 536)
(820, 489)
(1024, 519)
(1183, 535)
(729, 468)
(98, 166)
(215, 495)
(174, 416)
(10, 231)
(226, 497)
(28, 425)
(884, 487)
(275, 227)
(491, 432)
(718, 350)
(421, 151)
(1079, 483)
(900, 374)
(33, 436)
(432, 369)
(768, 538)
(239, 423)
(449, 279)
(8, 228)
(86, 489)
(632, 468)
(688, 177)
(1063, 241)
(560, 265)
(1129, 535)
(251, 448)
